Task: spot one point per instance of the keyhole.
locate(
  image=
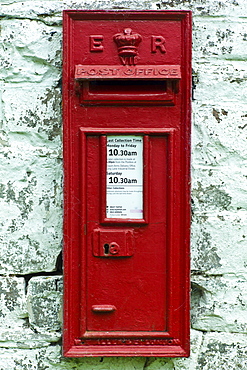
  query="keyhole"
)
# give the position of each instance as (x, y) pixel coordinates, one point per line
(106, 248)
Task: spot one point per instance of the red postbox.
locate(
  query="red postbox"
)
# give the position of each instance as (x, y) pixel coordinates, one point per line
(126, 105)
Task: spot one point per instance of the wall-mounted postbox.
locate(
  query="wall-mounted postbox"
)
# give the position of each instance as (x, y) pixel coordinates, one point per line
(126, 105)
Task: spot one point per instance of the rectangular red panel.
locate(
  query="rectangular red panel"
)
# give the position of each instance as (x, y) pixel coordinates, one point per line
(126, 104)
(84, 72)
(136, 287)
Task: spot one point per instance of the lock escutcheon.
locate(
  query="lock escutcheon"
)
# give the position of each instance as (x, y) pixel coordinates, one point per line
(113, 243)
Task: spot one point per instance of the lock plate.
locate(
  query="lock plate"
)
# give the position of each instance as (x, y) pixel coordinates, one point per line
(113, 243)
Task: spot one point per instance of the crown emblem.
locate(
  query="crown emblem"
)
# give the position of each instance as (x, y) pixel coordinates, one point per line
(127, 43)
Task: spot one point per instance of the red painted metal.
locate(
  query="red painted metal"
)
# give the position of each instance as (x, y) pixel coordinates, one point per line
(118, 72)
(126, 289)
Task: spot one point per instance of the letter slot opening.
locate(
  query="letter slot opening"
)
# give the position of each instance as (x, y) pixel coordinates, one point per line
(127, 87)
(110, 92)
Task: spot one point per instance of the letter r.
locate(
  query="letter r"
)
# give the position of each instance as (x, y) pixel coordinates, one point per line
(158, 42)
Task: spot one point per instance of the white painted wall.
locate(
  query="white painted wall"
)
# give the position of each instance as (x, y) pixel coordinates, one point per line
(31, 186)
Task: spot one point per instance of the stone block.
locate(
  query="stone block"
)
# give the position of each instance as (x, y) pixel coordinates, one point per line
(216, 8)
(44, 301)
(96, 363)
(21, 336)
(178, 363)
(13, 301)
(223, 38)
(219, 188)
(223, 351)
(219, 136)
(19, 359)
(24, 359)
(15, 331)
(30, 209)
(220, 83)
(30, 51)
(49, 11)
(219, 242)
(154, 363)
(50, 359)
(32, 116)
(191, 362)
(219, 303)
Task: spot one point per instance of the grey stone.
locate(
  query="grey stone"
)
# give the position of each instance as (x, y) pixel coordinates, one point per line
(24, 359)
(30, 211)
(219, 303)
(12, 301)
(204, 8)
(178, 363)
(223, 39)
(219, 242)
(220, 190)
(49, 11)
(30, 51)
(224, 79)
(223, 351)
(219, 138)
(50, 358)
(20, 335)
(15, 330)
(190, 363)
(44, 301)
(32, 116)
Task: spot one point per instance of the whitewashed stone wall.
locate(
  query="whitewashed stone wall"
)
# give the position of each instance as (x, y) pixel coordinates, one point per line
(31, 187)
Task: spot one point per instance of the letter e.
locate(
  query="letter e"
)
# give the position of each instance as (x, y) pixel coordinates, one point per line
(96, 43)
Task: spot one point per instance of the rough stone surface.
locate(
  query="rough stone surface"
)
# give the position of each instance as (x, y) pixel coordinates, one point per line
(223, 39)
(50, 359)
(20, 335)
(223, 351)
(31, 186)
(30, 51)
(19, 312)
(219, 243)
(50, 11)
(216, 8)
(30, 208)
(179, 363)
(12, 301)
(219, 303)
(220, 131)
(32, 115)
(44, 302)
(31, 179)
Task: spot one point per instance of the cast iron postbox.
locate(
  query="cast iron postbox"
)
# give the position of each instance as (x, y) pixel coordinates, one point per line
(126, 106)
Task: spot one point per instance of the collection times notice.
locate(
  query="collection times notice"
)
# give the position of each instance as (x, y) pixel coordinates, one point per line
(124, 177)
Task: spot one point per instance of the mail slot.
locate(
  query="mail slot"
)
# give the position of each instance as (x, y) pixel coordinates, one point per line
(126, 109)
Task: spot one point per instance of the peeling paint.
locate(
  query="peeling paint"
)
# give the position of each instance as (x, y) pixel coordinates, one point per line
(212, 196)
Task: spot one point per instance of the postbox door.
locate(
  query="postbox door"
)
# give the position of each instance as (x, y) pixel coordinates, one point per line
(127, 261)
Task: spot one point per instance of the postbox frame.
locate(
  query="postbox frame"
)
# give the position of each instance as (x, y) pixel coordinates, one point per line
(175, 341)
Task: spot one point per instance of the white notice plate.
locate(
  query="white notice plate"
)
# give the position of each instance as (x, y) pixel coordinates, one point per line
(124, 177)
